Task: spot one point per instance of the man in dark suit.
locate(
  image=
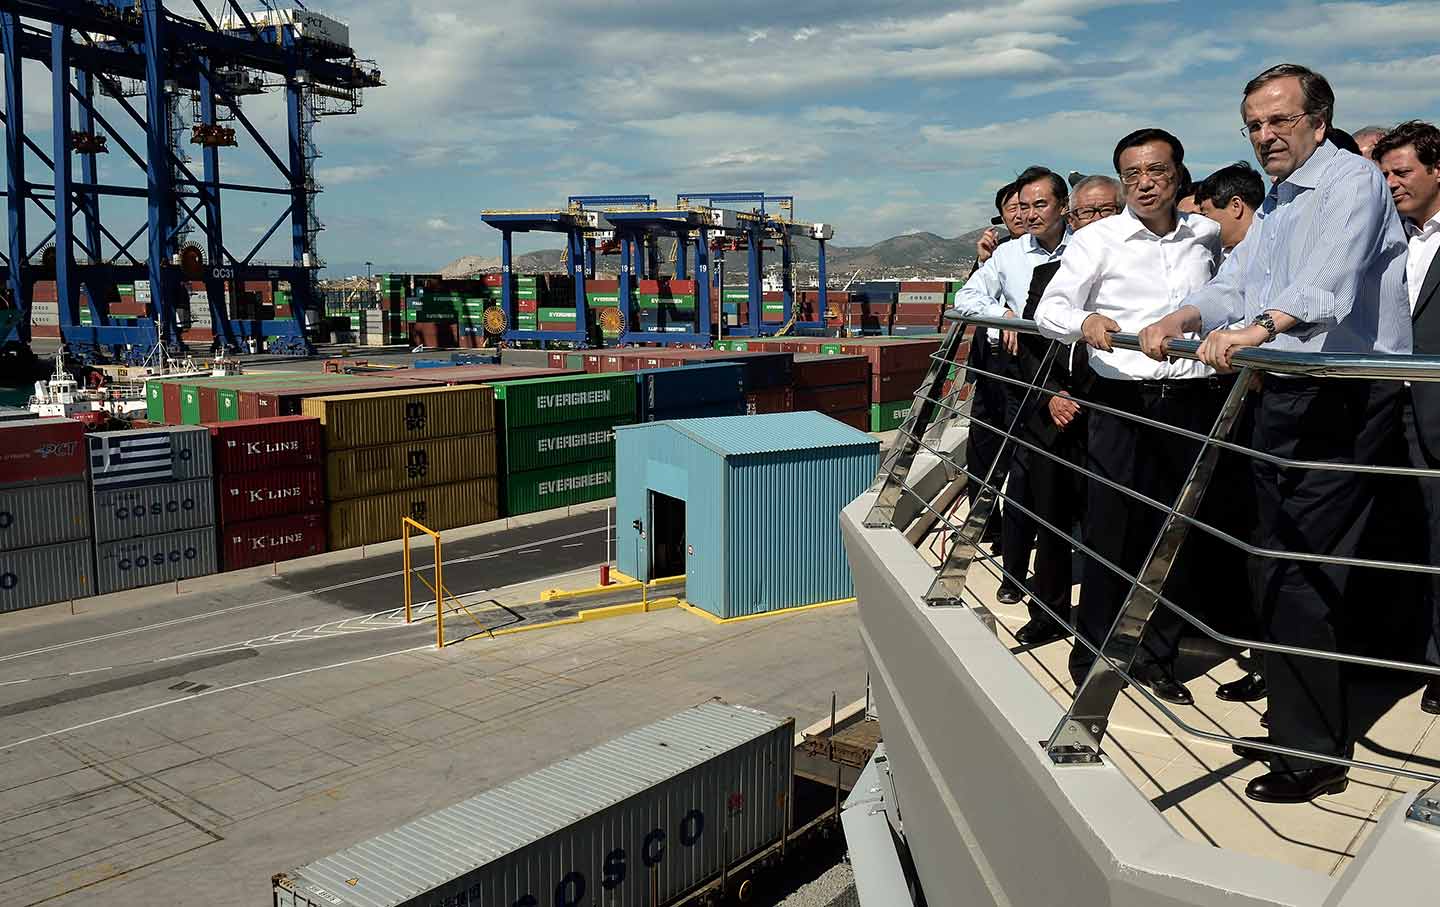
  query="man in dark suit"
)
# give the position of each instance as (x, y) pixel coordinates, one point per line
(1409, 156)
(1052, 491)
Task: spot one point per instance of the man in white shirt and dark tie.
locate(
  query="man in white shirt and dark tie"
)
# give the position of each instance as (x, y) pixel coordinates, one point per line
(1409, 157)
(1118, 274)
(998, 290)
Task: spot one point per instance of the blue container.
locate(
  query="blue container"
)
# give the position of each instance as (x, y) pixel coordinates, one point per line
(721, 499)
(706, 411)
(689, 388)
(474, 358)
(763, 370)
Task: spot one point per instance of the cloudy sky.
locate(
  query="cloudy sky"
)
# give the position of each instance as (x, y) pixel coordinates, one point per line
(881, 117)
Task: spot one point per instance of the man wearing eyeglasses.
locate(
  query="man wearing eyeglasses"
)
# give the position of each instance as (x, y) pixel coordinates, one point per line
(1119, 273)
(1322, 269)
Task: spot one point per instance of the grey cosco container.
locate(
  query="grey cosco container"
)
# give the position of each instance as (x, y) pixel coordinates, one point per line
(130, 563)
(50, 573)
(124, 513)
(44, 514)
(637, 821)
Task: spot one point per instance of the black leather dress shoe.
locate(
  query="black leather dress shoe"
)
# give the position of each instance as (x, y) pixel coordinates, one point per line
(1250, 688)
(1161, 680)
(1039, 632)
(1430, 699)
(1300, 786)
(1008, 594)
(1265, 718)
(1249, 752)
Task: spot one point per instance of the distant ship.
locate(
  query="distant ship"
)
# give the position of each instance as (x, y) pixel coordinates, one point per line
(116, 392)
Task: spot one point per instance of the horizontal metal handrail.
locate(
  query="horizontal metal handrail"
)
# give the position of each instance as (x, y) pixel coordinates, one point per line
(1379, 366)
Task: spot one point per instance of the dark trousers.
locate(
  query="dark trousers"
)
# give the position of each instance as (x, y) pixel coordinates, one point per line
(1423, 456)
(992, 405)
(1317, 512)
(1122, 530)
(1047, 489)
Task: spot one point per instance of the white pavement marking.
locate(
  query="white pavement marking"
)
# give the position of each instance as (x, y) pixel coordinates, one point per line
(194, 696)
(284, 598)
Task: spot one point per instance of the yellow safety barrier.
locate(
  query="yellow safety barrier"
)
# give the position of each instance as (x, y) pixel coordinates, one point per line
(437, 589)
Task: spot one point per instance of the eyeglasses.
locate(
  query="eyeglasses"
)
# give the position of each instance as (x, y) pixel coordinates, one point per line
(1158, 172)
(1278, 125)
(1092, 213)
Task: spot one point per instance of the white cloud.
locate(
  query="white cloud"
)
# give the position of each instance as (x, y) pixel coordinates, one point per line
(1310, 25)
(805, 34)
(758, 35)
(440, 225)
(349, 173)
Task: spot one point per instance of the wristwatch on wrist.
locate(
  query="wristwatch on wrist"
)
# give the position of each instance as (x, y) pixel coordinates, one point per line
(1268, 323)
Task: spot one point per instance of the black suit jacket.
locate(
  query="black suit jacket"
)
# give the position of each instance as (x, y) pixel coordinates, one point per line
(1426, 394)
(1070, 373)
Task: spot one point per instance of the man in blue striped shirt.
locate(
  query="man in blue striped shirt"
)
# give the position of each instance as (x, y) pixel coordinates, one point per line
(1322, 269)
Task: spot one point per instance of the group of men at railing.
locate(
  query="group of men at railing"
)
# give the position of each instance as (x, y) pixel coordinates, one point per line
(1338, 256)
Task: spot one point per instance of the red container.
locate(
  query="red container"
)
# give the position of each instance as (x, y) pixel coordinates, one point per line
(827, 371)
(209, 404)
(493, 280)
(170, 396)
(269, 493)
(127, 309)
(268, 404)
(833, 399)
(527, 305)
(558, 360)
(602, 286)
(892, 386)
(42, 450)
(769, 400)
(855, 418)
(480, 374)
(923, 286)
(810, 345)
(894, 355)
(265, 444)
(267, 541)
(433, 334)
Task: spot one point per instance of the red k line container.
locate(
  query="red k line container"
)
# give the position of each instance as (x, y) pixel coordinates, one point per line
(261, 542)
(257, 444)
(42, 451)
(269, 493)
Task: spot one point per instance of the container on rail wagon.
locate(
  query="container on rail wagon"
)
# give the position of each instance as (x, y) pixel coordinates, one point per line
(368, 520)
(48, 573)
(636, 822)
(398, 416)
(265, 444)
(41, 450)
(140, 510)
(44, 514)
(366, 471)
(268, 493)
(130, 563)
(547, 401)
(261, 542)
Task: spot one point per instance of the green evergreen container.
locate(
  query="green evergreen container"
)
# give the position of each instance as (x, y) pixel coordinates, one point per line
(559, 486)
(541, 446)
(572, 398)
(889, 416)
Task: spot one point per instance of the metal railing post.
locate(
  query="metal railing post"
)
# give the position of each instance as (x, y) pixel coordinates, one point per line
(922, 413)
(409, 594)
(1077, 738)
(439, 595)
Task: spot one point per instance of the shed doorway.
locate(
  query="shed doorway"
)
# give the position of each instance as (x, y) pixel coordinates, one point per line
(667, 535)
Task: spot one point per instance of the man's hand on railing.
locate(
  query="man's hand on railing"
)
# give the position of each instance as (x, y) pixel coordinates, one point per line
(1096, 331)
(1218, 346)
(1063, 410)
(1154, 337)
(1010, 339)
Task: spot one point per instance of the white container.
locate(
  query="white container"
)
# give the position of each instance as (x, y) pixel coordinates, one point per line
(655, 812)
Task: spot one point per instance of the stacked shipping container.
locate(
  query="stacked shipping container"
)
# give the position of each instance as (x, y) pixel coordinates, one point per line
(428, 454)
(270, 490)
(154, 506)
(45, 543)
(838, 386)
(559, 439)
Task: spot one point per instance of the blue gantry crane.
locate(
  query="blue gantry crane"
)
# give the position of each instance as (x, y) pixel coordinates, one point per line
(119, 50)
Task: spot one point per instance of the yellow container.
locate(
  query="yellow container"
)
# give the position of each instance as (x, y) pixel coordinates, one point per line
(395, 417)
(366, 521)
(365, 471)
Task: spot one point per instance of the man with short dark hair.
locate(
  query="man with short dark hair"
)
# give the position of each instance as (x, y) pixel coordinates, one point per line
(1365, 139)
(998, 290)
(1229, 196)
(1007, 212)
(1409, 157)
(1321, 270)
(1117, 274)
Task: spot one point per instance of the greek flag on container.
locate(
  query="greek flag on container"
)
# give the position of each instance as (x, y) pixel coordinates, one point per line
(130, 458)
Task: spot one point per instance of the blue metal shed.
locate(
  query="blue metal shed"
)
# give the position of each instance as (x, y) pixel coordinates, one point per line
(747, 507)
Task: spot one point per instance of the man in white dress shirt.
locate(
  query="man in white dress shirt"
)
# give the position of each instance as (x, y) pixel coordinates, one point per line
(1119, 274)
(1409, 156)
(999, 289)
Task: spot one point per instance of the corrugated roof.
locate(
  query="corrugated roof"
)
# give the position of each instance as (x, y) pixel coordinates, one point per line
(768, 433)
(434, 849)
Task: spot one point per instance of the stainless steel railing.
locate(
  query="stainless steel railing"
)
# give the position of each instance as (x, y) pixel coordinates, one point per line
(1078, 736)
